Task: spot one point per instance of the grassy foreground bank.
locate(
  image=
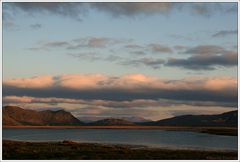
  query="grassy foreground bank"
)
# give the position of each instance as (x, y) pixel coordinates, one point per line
(16, 150)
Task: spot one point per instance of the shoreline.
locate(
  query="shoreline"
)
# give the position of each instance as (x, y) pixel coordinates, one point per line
(80, 150)
(230, 131)
(112, 126)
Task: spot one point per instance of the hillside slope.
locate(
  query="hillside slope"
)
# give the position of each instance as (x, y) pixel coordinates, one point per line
(13, 115)
(112, 121)
(228, 119)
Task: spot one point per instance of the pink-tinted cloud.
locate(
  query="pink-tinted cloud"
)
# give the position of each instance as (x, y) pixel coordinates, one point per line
(77, 81)
(33, 82)
(126, 87)
(129, 81)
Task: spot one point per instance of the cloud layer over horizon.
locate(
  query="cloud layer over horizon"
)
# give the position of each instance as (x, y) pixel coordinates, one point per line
(125, 87)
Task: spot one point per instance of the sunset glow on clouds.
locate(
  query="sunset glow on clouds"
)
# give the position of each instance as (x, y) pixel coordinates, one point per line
(153, 60)
(132, 90)
(134, 82)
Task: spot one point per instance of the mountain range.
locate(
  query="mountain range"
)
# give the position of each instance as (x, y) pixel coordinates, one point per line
(112, 121)
(16, 116)
(13, 115)
(228, 119)
(134, 119)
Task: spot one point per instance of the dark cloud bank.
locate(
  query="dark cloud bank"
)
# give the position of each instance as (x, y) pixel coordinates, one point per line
(78, 10)
(128, 87)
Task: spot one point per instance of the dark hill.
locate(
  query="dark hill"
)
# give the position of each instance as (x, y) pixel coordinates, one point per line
(134, 119)
(13, 116)
(112, 121)
(228, 119)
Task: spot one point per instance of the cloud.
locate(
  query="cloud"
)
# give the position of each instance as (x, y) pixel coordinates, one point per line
(9, 24)
(184, 37)
(179, 47)
(152, 109)
(86, 42)
(138, 52)
(133, 46)
(34, 82)
(97, 56)
(79, 10)
(224, 33)
(98, 42)
(209, 9)
(154, 63)
(205, 62)
(153, 113)
(36, 26)
(49, 45)
(101, 42)
(87, 81)
(103, 112)
(202, 9)
(50, 100)
(206, 111)
(112, 58)
(71, 10)
(91, 56)
(160, 48)
(55, 44)
(132, 9)
(94, 42)
(139, 8)
(126, 87)
(205, 50)
(138, 103)
(205, 57)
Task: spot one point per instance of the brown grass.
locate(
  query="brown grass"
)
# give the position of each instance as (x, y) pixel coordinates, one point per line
(16, 150)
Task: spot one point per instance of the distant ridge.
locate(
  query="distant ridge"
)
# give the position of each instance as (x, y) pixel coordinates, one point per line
(134, 119)
(228, 119)
(16, 116)
(112, 121)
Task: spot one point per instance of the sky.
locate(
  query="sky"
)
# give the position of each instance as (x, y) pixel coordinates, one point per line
(152, 60)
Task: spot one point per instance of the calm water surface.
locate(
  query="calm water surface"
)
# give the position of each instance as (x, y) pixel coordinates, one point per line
(148, 137)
